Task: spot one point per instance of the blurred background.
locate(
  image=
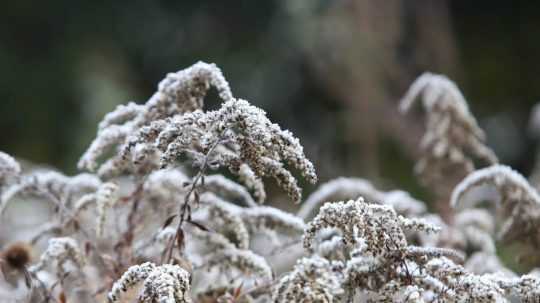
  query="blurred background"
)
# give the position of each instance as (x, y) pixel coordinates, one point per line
(330, 71)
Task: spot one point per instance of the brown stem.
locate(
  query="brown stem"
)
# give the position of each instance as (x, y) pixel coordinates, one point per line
(185, 208)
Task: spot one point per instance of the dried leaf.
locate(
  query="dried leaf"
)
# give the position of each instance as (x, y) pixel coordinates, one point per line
(238, 290)
(87, 248)
(199, 225)
(76, 225)
(197, 197)
(188, 209)
(2, 269)
(27, 279)
(180, 239)
(169, 221)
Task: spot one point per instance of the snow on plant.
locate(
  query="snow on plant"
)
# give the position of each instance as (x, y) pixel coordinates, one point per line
(178, 93)
(165, 283)
(65, 254)
(518, 202)
(453, 139)
(273, 223)
(471, 231)
(52, 186)
(313, 279)
(383, 267)
(60, 250)
(351, 188)
(150, 224)
(105, 198)
(9, 169)
(173, 124)
(247, 138)
(377, 225)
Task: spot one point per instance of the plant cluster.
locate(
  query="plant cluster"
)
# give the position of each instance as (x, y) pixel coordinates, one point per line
(170, 212)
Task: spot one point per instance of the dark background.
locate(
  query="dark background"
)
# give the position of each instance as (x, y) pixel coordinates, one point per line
(331, 71)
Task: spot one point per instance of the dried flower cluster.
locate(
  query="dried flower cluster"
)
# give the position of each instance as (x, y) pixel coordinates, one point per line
(173, 124)
(352, 188)
(60, 250)
(453, 138)
(147, 227)
(380, 266)
(178, 93)
(165, 283)
(9, 169)
(518, 203)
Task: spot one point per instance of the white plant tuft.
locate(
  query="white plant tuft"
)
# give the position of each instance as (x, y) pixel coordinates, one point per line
(106, 197)
(312, 280)
(165, 283)
(9, 169)
(453, 138)
(60, 251)
(518, 201)
(178, 93)
(351, 188)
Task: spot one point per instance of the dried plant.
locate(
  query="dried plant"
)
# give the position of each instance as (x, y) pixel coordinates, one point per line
(517, 201)
(178, 93)
(150, 224)
(165, 283)
(453, 139)
(351, 188)
(382, 267)
(9, 169)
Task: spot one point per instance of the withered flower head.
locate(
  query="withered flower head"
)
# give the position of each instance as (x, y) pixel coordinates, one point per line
(17, 255)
